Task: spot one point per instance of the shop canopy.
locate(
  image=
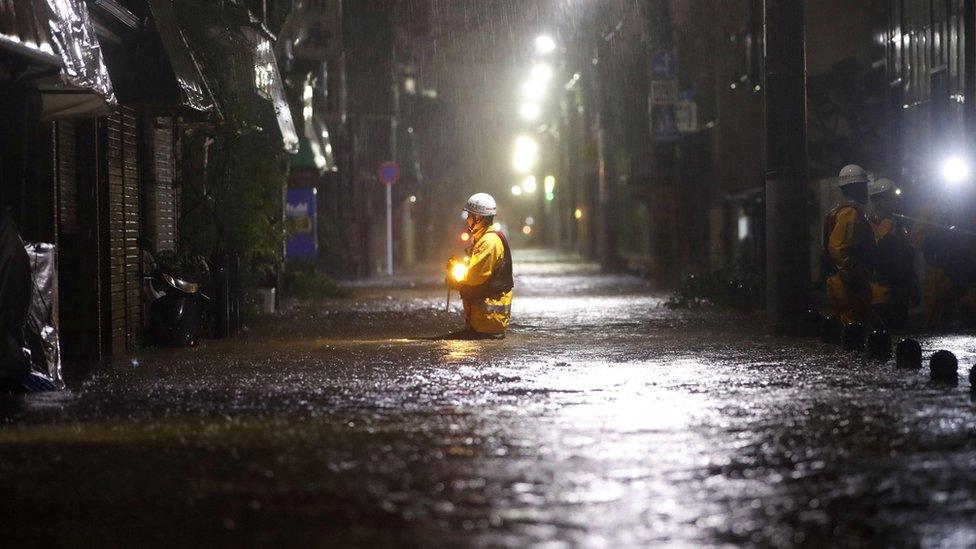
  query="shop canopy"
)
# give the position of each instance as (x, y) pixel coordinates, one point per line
(83, 87)
(24, 35)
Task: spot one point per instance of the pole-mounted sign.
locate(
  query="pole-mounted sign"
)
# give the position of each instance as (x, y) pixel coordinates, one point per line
(388, 174)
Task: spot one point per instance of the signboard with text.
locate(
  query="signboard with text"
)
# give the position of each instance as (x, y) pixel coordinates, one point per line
(300, 212)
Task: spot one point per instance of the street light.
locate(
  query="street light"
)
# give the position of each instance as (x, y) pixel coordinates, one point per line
(526, 154)
(955, 170)
(530, 112)
(529, 184)
(544, 44)
(541, 73)
(534, 90)
(516, 190)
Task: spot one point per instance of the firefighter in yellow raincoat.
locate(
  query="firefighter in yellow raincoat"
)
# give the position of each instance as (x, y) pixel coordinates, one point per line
(894, 288)
(486, 283)
(847, 249)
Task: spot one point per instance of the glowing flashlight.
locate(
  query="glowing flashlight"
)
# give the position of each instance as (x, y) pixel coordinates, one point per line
(459, 271)
(955, 170)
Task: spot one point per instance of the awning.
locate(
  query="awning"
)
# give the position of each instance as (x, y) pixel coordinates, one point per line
(84, 87)
(315, 148)
(23, 32)
(195, 93)
(267, 81)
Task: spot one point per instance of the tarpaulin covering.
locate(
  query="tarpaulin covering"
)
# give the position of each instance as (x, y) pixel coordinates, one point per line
(268, 82)
(42, 334)
(85, 88)
(30, 355)
(15, 284)
(196, 94)
(23, 31)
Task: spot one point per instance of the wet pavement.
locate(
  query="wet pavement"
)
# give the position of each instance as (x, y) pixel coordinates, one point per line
(604, 419)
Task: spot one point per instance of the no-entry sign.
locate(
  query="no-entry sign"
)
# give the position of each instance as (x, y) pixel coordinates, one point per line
(389, 172)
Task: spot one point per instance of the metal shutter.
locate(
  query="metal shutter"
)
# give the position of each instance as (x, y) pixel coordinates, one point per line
(66, 174)
(124, 226)
(163, 199)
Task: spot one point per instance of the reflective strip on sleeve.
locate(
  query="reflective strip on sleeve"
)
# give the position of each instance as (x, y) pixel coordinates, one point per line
(504, 309)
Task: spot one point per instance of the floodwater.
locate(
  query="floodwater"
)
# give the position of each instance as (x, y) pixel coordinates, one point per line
(604, 419)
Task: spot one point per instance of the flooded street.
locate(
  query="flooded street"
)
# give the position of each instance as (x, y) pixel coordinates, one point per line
(604, 419)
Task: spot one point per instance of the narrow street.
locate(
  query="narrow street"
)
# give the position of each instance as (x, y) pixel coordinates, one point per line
(603, 419)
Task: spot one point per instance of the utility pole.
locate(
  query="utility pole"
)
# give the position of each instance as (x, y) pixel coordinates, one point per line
(787, 253)
(605, 225)
(394, 127)
(663, 203)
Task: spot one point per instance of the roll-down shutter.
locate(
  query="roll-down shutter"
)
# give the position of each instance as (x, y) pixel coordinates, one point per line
(124, 226)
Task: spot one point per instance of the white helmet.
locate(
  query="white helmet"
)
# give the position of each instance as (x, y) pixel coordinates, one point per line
(481, 204)
(880, 186)
(851, 173)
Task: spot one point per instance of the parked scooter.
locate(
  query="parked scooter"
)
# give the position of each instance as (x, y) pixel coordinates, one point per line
(176, 307)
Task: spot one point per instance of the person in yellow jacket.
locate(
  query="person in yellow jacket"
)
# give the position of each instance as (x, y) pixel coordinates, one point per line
(486, 284)
(894, 287)
(937, 244)
(847, 249)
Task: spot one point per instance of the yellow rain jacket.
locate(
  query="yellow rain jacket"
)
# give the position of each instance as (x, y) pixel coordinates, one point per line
(847, 249)
(486, 289)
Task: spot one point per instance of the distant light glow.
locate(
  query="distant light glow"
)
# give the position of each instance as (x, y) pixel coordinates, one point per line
(410, 85)
(955, 170)
(413, 199)
(529, 184)
(530, 112)
(549, 184)
(578, 214)
(534, 90)
(526, 154)
(530, 220)
(898, 192)
(465, 236)
(526, 230)
(550, 197)
(544, 44)
(541, 73)
(743, 227)
(517, 190)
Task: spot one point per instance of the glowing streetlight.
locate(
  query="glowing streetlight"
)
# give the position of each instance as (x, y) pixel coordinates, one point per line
(544, 44)
(516, 190)
(541, 73)
(530, 112)
(534, 90)
(578, 214)
(526, 154)
(955, 170)
(529, 184)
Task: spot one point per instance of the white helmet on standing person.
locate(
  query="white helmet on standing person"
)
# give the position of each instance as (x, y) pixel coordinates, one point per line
(852, 173)
(881, 186)
(481, 204)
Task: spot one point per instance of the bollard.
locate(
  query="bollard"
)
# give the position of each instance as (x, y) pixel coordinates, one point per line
(879, 345)
(943, 367)
(812, 321)
(853, 337)
(908, 354)
(830, 330)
